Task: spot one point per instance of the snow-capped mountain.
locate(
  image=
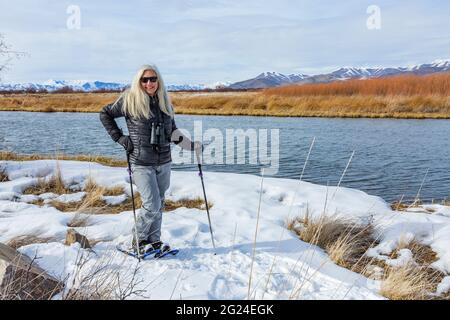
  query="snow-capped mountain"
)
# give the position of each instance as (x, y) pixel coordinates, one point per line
(263, 80)
(195, 87)
(218, 85)
(184, 87)
(89, 86)
(268, 79)
(273, 79)
(53, 85)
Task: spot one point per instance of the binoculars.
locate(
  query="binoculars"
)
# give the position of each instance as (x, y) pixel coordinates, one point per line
(158, 134)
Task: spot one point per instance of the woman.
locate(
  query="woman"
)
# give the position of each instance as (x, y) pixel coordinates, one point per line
(150, 120)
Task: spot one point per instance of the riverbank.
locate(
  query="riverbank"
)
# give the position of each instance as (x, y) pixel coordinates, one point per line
(250, 104)
(300, 235)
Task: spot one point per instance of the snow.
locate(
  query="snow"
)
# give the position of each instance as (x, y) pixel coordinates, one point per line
(298, 270)
(115, 200)
(444, 286)
(405, 257)
(67, 198)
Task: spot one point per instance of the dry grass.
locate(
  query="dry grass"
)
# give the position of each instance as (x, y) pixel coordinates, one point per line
(399, 206)
(344, 241)
(105, 279)
(64, 206)
(197, 203)
(11, 156)
(114, 191)
(423, 257)
(423, 254)
(322, 231)
(408, 282)
(26, 281)
(3, 176)
(416, 97)
(435, 84)
(39, 202)
(347, 244)
(416, 204)
(21, 241)
(93, 203)
(76, 102)
(55, 185)
(349, 248)
(354, 106)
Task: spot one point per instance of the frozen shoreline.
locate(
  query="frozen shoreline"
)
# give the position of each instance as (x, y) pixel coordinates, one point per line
(196, 273)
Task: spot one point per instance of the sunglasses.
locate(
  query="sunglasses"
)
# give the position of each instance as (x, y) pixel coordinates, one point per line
(147, 79)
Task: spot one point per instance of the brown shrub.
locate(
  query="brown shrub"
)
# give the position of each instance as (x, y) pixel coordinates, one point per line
(436, 84)
(377, 105)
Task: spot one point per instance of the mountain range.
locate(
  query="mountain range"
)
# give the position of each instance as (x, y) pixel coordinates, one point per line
(263, 80)
(273, 79)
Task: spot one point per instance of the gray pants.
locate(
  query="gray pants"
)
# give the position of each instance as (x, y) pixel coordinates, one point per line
(152, 183)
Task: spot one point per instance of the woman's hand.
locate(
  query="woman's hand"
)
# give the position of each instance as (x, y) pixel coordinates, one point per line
(126, 143)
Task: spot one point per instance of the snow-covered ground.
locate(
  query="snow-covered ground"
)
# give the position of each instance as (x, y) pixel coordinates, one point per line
(284, 267)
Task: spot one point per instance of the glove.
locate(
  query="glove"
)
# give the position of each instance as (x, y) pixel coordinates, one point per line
(126, 143)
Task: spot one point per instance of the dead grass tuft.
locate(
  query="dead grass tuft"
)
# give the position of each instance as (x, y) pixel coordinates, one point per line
(344, 241)
(197, 203)
(93, 203)
(423, 254)
(65, 206)
(114, 191)
(322, 231)
(349, 248)
(38, 202)
(55, 185)
(399, 206)
(104, 279)
(347, 244)
(409, 282)
(416, 280)
(3, 176)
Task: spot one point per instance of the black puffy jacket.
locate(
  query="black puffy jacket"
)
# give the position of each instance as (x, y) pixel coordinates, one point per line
(144, 153)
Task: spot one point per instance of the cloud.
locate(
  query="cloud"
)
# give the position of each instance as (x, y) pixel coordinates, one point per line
(199, 41)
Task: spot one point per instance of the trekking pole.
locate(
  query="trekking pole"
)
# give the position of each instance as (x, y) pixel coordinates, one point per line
(200, 173)
(134, 209)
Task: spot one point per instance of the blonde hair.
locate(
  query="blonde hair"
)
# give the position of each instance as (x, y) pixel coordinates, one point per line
(136, 102)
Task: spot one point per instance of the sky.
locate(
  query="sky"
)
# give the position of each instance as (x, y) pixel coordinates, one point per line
(205, 41)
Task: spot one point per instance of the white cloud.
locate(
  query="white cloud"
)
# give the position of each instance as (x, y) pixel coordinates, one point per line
(199, 41)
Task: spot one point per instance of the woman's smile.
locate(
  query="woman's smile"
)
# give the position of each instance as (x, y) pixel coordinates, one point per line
(150, 87)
